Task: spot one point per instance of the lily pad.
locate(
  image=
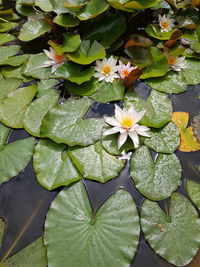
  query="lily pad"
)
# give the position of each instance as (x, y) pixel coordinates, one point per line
(7, 86)
(171, 83)
(45, 5)
(33, 29)
(65, 124)
(155, 31)
(193, 190)
(114, 228)
(155, 179)
(32, 255)
(14, 157)
(86, 89)
(66, 20)
(158, 108)
(37, 111)
(95, 163)
(8, 51)
(53, 165)
(13, 108)
(192, 71)
(164, 140)
(16, 60)
(5, 38)
(4, 131)
(6, 26)
(87, 53)
(180, 229)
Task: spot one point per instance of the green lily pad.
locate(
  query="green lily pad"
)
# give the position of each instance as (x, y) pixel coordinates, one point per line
(13, 108)
(164, 140)
(70, 44)
(14, 157)
(7, 86)
(95, 163)
(114, 228)
(45, 5)
(4, 132)
(159, 66)
(65, 124)
(32, 255)
(66, 20)
(6, 26)
(75, 5)
(171, 83)
(45, 85)
(106, 30)
(87, 53)
(37, 111)
(92, 9)
(8, 51)
(86, 88)
(15, 72)
(155, 179)
(58, 6)
(192, 71)
(25, 7)
(193, 190)
(158, 108)
(180, 229)
(155, 31)
(33, 29)
(5, 38)
(16, 60)
(53, 166)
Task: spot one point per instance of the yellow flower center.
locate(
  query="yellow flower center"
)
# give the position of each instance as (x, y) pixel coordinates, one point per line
(172, 60)
(164, 24)
(127, 122)
(126, 73)
(106, 69)
(59, 58)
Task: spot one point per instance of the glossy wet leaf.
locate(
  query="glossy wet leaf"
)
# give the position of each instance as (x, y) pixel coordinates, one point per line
(155, 179)
(86, 89)
(180, 229)
(45, 5)
(158, 108)
(155, 31)
(171, 83)
(70, 44)
(33, 29)
(15, 72)
(159, 66)
(13, 108)
(24, 9)
(66, 20)
(65, 124)
(4, 132)
(5, 38)
(87, 53)
(32, 255)
(8, 51)
(45, 85)
(164, 140)
(92, 9)
(95, 163)
(106, 30)
(192, 72)
(53, 166)
(16, 60)
(14, 157)
(7, 86)
(193, 190)
(188, 142)
(2, 229)
(131, 6)
(37, 111)
(6, 26)
(114, 228)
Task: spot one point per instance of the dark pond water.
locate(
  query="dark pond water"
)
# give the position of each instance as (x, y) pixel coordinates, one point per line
(24, 203)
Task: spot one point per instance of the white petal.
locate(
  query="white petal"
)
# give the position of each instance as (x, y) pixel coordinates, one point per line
(122, 139)
(118, 113)
(48, 54)
(111, 131)
(142, 128)
(54, 68)
(134, 136)
(111, 121)
(48, 63)
(139, 115)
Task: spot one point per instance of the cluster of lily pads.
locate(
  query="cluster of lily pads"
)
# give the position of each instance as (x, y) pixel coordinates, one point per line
(95, 50)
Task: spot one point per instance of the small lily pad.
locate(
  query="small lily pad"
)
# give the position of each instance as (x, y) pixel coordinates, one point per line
(155, 179)
(8, 51)
(5, 38)
(193, 190)
(4, 132)
(192, 71)
(16, 60)
(180, 229)
(66, 20)
(7, 86)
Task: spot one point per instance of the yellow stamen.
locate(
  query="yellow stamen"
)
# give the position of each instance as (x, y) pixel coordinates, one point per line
(126, 73)
(172, 60)
(164, 24)
(127, 122)
(106, 69)
(59, 58)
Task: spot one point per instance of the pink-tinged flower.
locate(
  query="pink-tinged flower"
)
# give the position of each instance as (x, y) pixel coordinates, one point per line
(125, 122)
(177, 63)
(125, 70)
(55, 61)
(166, 23)
(106, 70)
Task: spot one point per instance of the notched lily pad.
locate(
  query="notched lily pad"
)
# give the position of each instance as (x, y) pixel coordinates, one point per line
(179, 228)
(193, 190)
(114, 228)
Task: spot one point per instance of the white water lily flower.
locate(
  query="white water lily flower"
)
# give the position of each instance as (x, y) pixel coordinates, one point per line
(166, 23)
(125, 70)
(125, 122)
(56, 59)
(177, 63)
(106, 69)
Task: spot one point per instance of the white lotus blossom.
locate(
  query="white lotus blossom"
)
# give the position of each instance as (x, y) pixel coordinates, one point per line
(125, 70)
(125, 122)
(177, 63)
(166, 23)
(55, 61)
(106, 69)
